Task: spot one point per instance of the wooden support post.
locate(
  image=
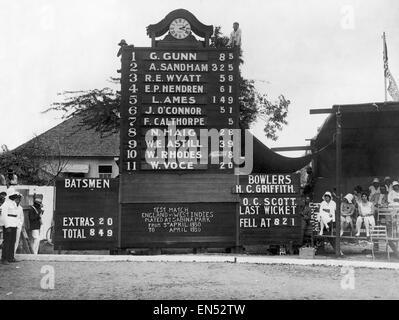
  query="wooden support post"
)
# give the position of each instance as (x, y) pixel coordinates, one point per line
(338, 182)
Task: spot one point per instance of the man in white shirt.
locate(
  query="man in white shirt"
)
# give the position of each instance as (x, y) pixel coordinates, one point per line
(235, 36)
(11, 214)
(393, 196)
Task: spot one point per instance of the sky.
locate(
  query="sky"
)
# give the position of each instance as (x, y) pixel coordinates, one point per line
(315, 53)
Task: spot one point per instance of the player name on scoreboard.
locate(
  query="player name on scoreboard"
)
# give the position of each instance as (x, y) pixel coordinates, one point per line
(176, 89)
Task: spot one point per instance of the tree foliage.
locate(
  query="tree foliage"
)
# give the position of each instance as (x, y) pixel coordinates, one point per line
(98, 109)
(32, 162)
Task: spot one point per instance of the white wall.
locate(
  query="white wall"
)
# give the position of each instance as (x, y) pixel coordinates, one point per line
(48, 202)
(93, 165)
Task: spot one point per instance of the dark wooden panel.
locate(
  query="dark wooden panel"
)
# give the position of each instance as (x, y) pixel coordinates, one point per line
(269, 184)
(178, 225)
(86, 214)
(154, 78)
(148, 188)
(267, 218)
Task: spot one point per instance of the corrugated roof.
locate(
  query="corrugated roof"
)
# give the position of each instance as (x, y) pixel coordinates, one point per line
(70, 139)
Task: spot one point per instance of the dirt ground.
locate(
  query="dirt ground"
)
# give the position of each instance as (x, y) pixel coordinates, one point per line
(189, 280)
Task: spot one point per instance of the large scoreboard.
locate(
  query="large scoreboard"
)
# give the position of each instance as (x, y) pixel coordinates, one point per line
(171, 99)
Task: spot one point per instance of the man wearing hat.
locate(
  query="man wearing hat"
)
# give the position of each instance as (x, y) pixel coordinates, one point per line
(35, 221)
(122, 44)
(12, 214)
(393, 196)
(11, 179)
(375, 187)
(388, 183)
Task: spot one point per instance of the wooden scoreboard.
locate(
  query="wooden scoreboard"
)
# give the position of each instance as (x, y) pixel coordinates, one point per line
(86, 216)
(269, 212)
(179, 106)
(177, 186)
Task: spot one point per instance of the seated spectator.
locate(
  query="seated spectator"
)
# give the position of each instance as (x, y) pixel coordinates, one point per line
(388, 183)
(357, 198)
(366, 215)
(347, 211)
(383, 197)
(374, 188)
(326, 212)
(393, 196)
(357, 194)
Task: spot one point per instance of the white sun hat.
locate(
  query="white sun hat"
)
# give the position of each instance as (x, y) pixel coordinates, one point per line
(327, 193)
(349, 197)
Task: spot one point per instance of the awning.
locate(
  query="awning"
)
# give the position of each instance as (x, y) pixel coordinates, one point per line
(76, 168)
(268, 161)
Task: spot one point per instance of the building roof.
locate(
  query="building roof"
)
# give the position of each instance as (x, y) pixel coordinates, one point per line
(70, 139)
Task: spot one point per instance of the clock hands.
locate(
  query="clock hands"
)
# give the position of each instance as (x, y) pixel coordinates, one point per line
(185, 27)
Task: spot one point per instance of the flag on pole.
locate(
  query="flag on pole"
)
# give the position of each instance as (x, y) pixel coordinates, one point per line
(392, 86)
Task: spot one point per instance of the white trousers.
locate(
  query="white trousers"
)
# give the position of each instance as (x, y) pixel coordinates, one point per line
(35, 241)
(368, 221)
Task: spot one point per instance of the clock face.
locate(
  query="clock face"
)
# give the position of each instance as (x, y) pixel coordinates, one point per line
(180, 28)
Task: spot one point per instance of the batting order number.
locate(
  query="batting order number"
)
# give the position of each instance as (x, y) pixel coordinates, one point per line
(133, 110)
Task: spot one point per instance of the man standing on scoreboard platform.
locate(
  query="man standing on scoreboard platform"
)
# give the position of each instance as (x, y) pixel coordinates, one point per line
(235, 36)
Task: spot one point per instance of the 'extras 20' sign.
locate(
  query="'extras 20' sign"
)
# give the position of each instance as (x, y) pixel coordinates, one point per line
(86, 214)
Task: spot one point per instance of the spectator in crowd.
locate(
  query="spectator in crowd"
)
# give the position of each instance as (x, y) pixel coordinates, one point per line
(357, 194)
(388, 183)
(235, 36)
(366, 215)
(309, 185)
(326, 211)
(35, 221)
(347, 211)
(11, 179)
(393, 196)
(3, 196)
(11, 212)
(383, 197)
(374, 188)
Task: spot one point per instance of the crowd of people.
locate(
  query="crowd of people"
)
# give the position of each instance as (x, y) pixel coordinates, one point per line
(359, 207)
(12, 218)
